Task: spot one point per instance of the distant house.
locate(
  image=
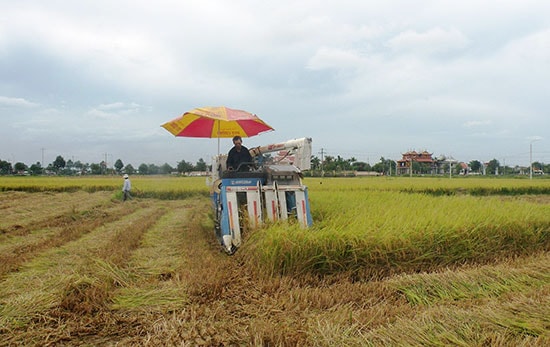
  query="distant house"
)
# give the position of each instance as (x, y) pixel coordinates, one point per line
(427, 164)
(464, 168)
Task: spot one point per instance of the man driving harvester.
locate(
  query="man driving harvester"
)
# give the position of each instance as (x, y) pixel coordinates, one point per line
(238, 155)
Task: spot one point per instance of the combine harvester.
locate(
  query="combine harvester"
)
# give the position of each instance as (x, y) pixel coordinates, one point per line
(269, 188)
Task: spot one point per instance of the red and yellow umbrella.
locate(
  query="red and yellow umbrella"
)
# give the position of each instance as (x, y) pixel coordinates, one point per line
(216, 122)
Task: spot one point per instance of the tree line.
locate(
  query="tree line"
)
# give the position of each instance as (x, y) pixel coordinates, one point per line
(60, 166)
(328, 165)
(337, 164)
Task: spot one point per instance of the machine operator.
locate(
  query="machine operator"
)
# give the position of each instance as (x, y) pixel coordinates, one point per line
(237, 155)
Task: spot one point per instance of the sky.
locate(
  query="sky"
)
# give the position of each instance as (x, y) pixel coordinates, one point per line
(94, 80)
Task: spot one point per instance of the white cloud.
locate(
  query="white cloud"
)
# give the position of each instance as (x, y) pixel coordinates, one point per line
(529, 52)
(16, 102)
(112, 106)
(326, 58)
(115, 110)
(435, 40)
(476, 123)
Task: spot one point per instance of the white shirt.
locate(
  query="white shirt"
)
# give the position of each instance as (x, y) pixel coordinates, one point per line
(127, 185)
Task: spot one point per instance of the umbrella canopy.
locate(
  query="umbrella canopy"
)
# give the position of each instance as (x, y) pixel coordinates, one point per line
(216, 122)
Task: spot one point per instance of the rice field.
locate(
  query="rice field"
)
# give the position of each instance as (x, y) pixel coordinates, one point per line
(389, 261)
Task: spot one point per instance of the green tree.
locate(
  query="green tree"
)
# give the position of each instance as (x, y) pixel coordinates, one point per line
(5, 168)
(96, 169)
(166, 169)
(143, 169)
(20, 167)
(69, 168)
(36, 169)
(378, 167)
(58, 164)
(315, 163)
(476, 166)
(119, 165)
(201, 165)
(79, 167)
(343, 164)
(492, 167)
(360, 166)
(329, 164)
(129, 169)
(386, 165)
(153, 169)
(184, 166)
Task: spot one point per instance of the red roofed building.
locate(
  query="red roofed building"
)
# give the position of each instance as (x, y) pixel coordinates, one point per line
(426, 164)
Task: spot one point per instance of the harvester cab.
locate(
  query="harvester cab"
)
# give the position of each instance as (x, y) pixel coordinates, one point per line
(270, 188)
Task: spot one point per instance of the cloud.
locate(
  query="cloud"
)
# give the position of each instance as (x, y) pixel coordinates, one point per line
(112, 106)
(433, 41)
(326, 58)
(115, 110)
(476, 123)
(6, 101)
(527, 53)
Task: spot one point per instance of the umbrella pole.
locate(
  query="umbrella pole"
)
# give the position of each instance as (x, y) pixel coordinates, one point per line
(218, 138)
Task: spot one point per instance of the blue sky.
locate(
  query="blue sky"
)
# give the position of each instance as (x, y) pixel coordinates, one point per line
(91, 80)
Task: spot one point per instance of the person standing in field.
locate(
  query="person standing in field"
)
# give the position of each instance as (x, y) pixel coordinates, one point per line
(237, 155)
(126, 188)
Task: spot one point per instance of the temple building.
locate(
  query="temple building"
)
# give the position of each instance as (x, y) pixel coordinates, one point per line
(425, 163)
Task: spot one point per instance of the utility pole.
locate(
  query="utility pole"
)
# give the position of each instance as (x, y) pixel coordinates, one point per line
(43, 156)
(322, 162)
(531, 160)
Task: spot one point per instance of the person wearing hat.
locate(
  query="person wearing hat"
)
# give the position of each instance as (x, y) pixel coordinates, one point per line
(126, 188)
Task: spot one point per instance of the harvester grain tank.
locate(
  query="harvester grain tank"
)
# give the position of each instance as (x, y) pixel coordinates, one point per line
(270, 188)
